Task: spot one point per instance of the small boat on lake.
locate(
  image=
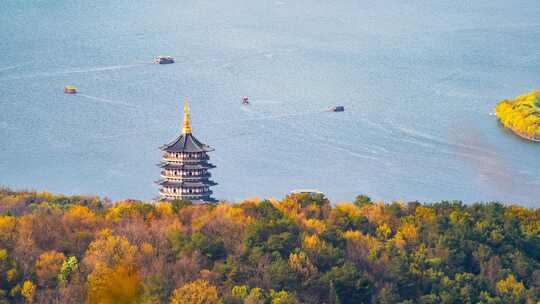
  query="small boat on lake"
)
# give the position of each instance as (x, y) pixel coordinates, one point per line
(307, 191)
(245, 100)
(163, 59)
(337, 109)
(69, 89)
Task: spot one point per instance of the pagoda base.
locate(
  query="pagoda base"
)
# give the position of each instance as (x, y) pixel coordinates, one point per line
(194, 199)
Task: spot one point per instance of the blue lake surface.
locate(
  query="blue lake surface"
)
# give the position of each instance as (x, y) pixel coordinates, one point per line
(419, 80)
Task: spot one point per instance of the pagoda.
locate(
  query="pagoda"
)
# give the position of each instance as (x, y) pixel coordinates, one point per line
(184, 167)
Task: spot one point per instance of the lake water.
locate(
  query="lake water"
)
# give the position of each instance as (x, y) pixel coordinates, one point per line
(419, 80)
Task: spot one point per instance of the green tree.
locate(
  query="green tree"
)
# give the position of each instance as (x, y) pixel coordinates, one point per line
(350, 285)
(362, 200)
(68, 266)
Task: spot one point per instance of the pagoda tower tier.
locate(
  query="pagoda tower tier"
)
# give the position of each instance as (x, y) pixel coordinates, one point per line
(185, 167)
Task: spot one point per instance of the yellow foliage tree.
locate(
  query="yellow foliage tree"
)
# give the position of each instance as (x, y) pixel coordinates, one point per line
(79, 216)
(11, 274)
(406, 234)
(313, 244)
(300, 263)
(118, 285)
(510, 289)
(28, 291)
(110, 250)
(376, 213)
(349, 209)
(521, 114)
(126, 209)
(7, 228)
(47, 267)
(283, 297)
(384, 231)
(197, 292)
(424, 214)
(255, 297)
(164, 210)
(314, 225)
(3, 255)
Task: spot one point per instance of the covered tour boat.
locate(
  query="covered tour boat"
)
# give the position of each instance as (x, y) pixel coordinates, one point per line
(337, 109)
(163, 60)
(306, 191)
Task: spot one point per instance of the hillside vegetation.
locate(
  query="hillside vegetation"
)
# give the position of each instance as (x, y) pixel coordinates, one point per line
(522, 115)
(78, 249)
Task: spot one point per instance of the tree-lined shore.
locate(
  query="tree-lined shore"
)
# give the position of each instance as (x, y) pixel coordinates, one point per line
(301, 249)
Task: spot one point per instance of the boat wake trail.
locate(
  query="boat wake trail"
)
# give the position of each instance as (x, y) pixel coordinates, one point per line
(13, 67)
(101, 69)
(73, 71)
(108, 101)
(431, 141)
(269, 102)
(306, 135)
(269, 117)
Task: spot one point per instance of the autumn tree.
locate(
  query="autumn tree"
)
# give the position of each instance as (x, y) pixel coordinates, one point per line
(114, 285)
(197, 292)
(48, 267)
(28, 291)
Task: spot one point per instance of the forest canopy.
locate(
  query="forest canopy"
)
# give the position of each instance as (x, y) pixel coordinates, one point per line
(522, 114)
(302, 249)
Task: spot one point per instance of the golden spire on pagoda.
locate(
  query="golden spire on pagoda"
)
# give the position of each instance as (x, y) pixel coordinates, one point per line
(187, 127)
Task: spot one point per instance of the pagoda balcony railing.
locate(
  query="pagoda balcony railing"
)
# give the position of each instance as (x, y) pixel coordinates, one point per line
(205, 164)
(184, 158)
(186, 195)
(164, 175)
(185, 161)
(207, 182)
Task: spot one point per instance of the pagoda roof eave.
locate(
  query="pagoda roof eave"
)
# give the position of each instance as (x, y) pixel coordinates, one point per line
(196, 166)
(180, 183)
(186, 143)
